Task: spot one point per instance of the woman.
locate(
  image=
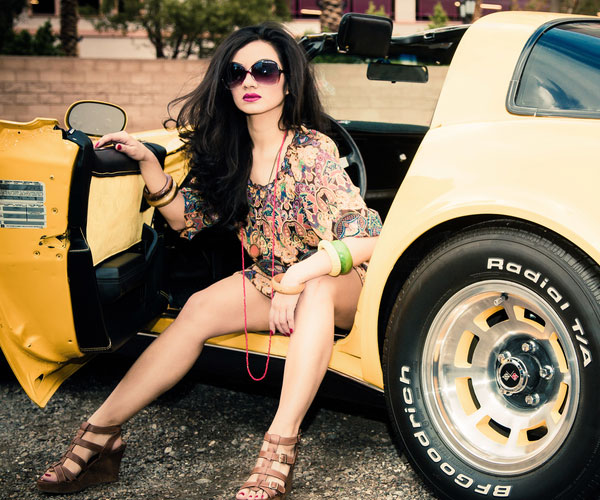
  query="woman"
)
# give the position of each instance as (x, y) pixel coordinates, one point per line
(256, 167)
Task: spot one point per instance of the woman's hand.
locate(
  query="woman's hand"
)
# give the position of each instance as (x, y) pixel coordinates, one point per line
(124, 143)
(283, 306)
(281, 315)
(151, 171)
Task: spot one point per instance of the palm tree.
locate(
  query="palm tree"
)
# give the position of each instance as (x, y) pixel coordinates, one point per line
(68, 27)
(10, 10)
(331, 13)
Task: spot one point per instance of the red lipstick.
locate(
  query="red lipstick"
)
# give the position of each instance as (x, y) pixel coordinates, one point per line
(251, 97)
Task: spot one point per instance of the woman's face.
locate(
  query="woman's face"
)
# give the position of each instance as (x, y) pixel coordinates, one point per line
(252, 97)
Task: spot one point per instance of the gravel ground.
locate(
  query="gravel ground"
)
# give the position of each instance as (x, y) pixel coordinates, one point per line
(200, 440)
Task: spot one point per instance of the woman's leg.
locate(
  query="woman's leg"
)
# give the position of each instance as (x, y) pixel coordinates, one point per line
(217, 310)
(325, 302)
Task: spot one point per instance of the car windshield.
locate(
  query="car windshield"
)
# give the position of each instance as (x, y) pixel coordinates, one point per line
(347, 94)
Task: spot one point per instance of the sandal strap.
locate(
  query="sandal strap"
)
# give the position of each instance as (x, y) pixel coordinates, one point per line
(63, 474)
(266, 477)
(96, 429)
(114, 431)
(78, 441)
(271, 488)
(76, 458)
(264, 471)
(279, 440)
(59, 472)
(282, 458)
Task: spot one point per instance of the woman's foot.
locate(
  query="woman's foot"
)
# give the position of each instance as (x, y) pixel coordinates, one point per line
(93, 457)
(271, 478)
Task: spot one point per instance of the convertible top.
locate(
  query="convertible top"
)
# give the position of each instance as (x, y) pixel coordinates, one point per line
(435, 46)
(429, 47)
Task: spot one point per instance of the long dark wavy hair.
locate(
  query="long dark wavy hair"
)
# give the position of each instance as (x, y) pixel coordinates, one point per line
(215, 131)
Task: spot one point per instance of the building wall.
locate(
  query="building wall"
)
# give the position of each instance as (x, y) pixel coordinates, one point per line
(45, 86)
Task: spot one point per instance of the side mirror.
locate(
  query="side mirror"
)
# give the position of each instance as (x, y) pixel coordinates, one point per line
(364, 35)
(388, 72)
(95, 117)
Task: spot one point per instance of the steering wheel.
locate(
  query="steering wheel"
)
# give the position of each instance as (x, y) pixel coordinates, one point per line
(350, 157)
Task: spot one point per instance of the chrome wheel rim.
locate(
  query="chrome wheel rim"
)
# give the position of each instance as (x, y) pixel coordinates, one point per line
(500, 377)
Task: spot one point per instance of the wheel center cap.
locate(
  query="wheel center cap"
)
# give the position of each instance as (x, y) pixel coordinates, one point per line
(512, 376)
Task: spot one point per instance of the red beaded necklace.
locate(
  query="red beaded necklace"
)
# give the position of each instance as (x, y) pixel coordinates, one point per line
(272, 270)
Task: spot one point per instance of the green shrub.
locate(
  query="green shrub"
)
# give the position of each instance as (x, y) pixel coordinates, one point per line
(439, 19)
(372, 10)
(43, 43)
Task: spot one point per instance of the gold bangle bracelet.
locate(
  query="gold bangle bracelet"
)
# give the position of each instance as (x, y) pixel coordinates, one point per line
(286, 290)
(166, 199)
(336, 264)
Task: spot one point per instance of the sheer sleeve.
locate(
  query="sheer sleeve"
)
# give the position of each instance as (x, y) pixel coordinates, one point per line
(196, 214)
(331, 203)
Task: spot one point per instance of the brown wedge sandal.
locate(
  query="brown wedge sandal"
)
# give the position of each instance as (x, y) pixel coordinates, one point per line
(103, 467)
(265, 481)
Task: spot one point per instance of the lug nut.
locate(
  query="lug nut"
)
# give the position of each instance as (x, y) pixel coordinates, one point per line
(504, 356)
(546, 372)
(532, 399)
(529, 346)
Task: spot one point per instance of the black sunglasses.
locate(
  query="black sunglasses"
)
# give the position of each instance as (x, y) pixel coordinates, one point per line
(264, 72)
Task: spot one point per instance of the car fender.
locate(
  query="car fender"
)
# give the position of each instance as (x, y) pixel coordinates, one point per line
(470, 169)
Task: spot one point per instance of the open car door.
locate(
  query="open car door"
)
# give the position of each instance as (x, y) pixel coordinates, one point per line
(81, 265)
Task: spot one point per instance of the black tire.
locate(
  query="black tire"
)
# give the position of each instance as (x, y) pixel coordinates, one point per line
(4, 367)
(485, 400)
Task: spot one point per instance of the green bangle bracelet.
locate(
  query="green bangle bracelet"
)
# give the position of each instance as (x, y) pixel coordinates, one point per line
(345, 256)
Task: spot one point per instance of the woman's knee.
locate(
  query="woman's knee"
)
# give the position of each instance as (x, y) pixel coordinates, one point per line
(195, 304)
(341, 293)
(320, 288)
(192, 319)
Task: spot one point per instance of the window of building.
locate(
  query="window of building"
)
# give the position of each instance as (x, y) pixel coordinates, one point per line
(562, 71)
(452, 8)
(51, 7)
(43, 7)
(312, 8)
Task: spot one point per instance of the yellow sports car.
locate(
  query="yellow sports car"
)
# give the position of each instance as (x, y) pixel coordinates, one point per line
(480, 314)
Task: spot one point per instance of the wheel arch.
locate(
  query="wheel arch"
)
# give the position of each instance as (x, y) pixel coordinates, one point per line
(459, 264)
(420, 247)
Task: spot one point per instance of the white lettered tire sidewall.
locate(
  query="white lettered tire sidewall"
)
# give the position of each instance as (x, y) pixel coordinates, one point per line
(525, 261)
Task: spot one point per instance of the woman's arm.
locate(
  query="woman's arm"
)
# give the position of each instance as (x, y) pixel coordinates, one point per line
(152, 173)
(319, 264)
(281, 314)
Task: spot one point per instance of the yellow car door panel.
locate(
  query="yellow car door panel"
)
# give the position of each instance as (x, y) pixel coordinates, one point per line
(37, 333)
(63, 295)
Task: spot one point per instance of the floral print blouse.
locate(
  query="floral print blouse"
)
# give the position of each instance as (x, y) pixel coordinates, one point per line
(315, 200)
